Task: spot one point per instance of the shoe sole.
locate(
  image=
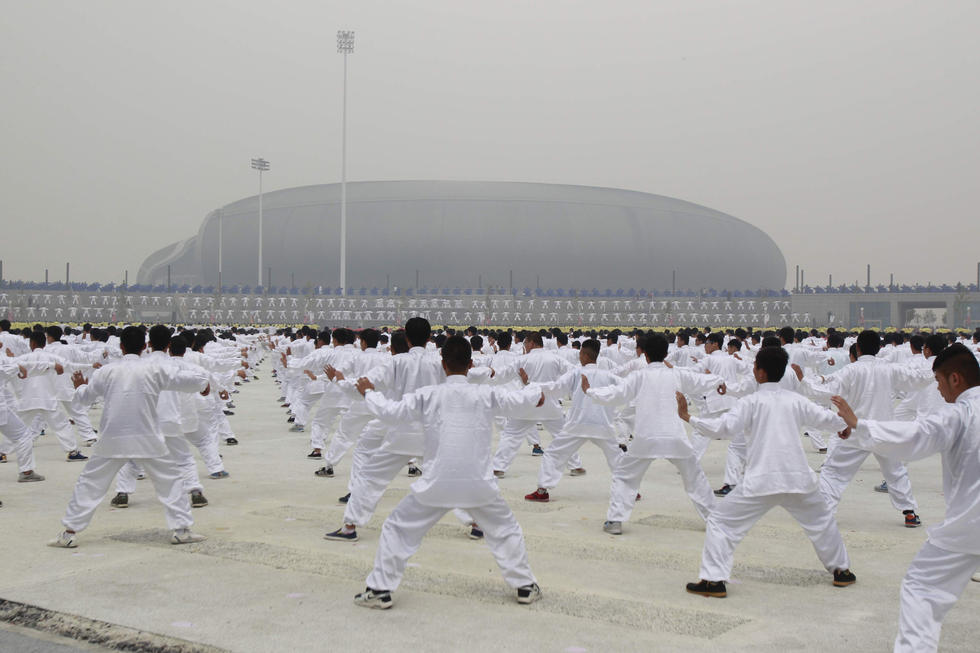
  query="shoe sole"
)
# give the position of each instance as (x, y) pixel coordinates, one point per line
(530, 599)
(713, 595)
(548, 500)
(125, 505)
(376, 605)
(912, 525)
(340, 539)
(844, 583)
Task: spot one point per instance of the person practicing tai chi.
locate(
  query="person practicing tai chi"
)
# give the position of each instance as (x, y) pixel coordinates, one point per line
(942, 569)
(777, 473)
(130, 430)
(457, 419)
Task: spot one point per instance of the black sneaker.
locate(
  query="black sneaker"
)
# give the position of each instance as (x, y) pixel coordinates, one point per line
(231, 441)
(708, 588)
(290, 420)
(724, 490)
(476, 533)
(911, 519)
(76, 456)
(198, 500)
(228, 413)
(345, 498)
(844, 577)
(121, 500)
(325, 472)
(369, 598)
(536, 450)
(315, 454)
(414, 471)
(528, 593)
(341, 536)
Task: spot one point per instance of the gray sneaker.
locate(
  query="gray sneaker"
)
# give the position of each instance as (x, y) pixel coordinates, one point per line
(613, 527)
(29, 478)
(186, 536)
(64, 541)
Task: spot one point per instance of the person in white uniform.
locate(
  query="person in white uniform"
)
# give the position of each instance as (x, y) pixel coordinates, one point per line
(658, 432)
(776, 474)
(457, 420)
(942, 569)
(130, 430)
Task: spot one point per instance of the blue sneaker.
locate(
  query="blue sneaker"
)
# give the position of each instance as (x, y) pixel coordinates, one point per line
(217, 475)
(883, 488)
(74, 456)
(341, 535)
(536, 450)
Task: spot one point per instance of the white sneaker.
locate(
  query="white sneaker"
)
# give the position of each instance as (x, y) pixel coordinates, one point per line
(64, 541)
(613, 527)
(369, 598)
(186, 536)
(976, 577)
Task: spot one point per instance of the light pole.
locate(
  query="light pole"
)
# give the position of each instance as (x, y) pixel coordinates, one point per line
(345, 46)
(261, 165)
(220, 239)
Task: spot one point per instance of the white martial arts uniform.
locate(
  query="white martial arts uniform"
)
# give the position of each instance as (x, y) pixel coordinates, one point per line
(776, 474)
(659, 433)
(11, 426)
(942, 568)
(869, 386)
(129, 429)
(457, 420)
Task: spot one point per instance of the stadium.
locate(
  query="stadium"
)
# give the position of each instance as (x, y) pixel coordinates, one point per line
(473, 234)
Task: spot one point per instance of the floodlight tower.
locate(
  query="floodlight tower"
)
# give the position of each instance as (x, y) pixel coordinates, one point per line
(345, 46)
(261, 165)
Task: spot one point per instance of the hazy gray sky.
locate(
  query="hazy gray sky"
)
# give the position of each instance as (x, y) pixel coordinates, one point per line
(848, 130)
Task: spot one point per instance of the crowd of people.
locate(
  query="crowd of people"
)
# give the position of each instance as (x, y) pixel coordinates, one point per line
(430, 403)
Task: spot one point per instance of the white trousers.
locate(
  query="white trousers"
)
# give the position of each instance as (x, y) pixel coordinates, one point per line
(179, 454)
(96, 477)
(514, 432)
(561, 450)
(931, 587)
(735, 460)
(629, 473)
(21, 439)
(323, 422)
(408, 523)
(58, 422)
(732, 519)
(82, 422)
(350, 428)
(206, 443)
(371, 439)
(844, 461)
(372, 481)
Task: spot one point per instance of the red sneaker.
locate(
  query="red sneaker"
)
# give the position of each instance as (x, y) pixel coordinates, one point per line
(538, 495)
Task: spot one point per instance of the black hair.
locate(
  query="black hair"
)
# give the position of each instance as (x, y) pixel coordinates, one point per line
(159, 337)
(132, 340)
(417, 331)
(370, 338)
(38, 339)
(835, 340)
(787, 334)
(592, 346)
(735, 344)
(853, 351)
(936, 344)
(869, 343)
(655, 347)
(561, 338)
(916, 342)
(958, 359)
(717, 338)
(178, 345)
(773, 361)
(503, 340)
(344, 336)
(476, 343)
(55, 332)
(457, 354)
(4, 325)
(771, 341)
(535, 337)
(399, 343)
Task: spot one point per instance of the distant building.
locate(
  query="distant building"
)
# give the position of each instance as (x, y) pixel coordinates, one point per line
(452, 234)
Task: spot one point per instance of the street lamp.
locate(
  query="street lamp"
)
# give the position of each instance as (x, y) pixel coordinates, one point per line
(220, 239)
(262, 166)
(345, 46)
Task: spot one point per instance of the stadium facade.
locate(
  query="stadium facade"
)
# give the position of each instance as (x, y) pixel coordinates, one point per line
(474, 234)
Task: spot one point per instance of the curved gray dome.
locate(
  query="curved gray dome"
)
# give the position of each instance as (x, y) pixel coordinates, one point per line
(462, 233)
